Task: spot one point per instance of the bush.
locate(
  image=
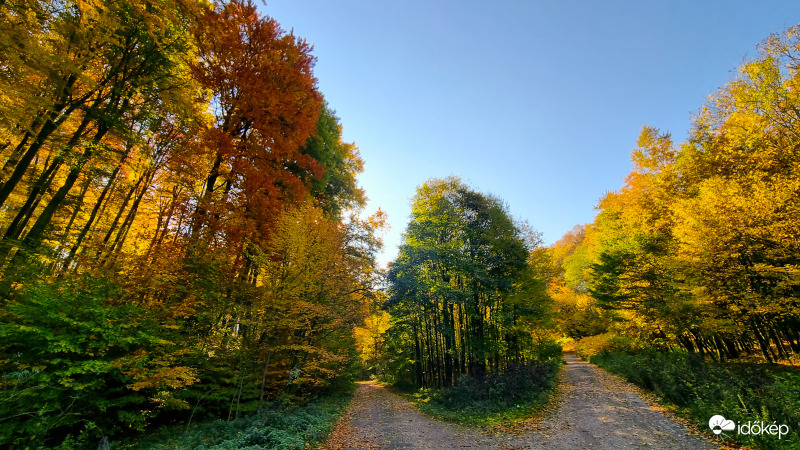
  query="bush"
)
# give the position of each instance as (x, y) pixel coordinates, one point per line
(71, 352)
(547, 349)
(508, 388)
(513, 394)
(739, 392)
(277, 427)
(606, 342)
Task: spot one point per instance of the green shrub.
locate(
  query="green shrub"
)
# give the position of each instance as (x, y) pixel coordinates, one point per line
(739, 392)
(495, 397)
(276, 427)
(547, 349)
(66, 351)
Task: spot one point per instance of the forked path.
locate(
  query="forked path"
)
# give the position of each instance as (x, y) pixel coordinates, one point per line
(595, 410)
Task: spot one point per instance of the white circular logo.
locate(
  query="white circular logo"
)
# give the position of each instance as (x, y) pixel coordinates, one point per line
(718, 424)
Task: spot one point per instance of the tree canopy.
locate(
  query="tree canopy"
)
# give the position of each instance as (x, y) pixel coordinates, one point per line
(699, 247)
(463, 290)
(181, 222)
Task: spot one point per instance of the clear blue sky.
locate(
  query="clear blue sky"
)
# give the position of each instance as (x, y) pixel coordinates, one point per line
(537, 102)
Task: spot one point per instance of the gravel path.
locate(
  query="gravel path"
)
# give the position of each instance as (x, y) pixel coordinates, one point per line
(594, 409)
(378, 418)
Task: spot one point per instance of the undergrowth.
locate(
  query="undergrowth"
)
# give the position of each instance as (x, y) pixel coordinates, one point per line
(494, 399)
(277, 427)
(700, 389)
(607, 342)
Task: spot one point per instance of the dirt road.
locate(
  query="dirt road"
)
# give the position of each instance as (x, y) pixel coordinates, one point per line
(596, 410)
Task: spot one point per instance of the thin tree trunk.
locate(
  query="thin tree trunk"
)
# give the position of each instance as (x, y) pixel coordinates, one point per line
(120, 212)
(76, 210)
(116, 246)
(239, 395)
(88, 225)
(36, 232)
(763, 343)
(264, 381)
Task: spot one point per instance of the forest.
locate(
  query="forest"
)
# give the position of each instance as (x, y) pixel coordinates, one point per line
(184, 242)
(687, 281)
(699, 248)
(182, 236)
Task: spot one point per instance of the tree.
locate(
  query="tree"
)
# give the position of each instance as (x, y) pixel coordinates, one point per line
(336, 190)
(696, 246)
(577, 313)
(188, 215)
(265, 108)
(452, 286)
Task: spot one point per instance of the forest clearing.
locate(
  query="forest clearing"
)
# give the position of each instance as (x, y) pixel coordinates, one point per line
(190, 260)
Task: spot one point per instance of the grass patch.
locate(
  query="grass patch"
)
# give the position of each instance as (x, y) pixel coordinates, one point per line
(699, 389)
(278, 427)
(494, 399)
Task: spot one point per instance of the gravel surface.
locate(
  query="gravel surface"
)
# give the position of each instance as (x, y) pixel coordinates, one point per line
(593, 409)
(378, 418)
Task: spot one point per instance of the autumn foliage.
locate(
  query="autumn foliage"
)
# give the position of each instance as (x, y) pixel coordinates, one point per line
(698, 250)
(180, 229)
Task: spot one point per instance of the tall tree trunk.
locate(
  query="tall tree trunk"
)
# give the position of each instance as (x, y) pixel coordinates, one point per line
(211, 181)
(88, 225)
(17, 226)
(13, 158)
(44, 182)
(116, 246)
(75, 211)
(34, 236)
(163, 225)
(56, 117)
(117, 218)
(417, 354)
(264, 381)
